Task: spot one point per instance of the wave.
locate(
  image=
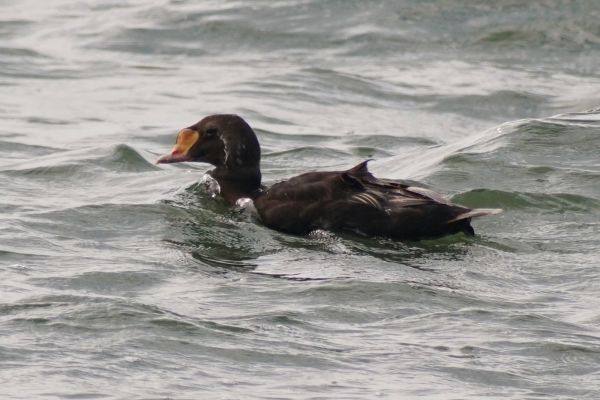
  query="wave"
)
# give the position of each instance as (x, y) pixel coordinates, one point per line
(550, 33)
(106, 313)
(52, 162)
(554, 202)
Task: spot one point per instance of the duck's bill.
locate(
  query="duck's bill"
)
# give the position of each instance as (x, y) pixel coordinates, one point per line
(186, 138)
(173, 158)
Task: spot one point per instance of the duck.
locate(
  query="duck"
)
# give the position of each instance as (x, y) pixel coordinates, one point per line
(351, 200)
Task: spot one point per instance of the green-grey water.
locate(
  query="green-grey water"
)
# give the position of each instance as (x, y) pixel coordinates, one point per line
(121, 279)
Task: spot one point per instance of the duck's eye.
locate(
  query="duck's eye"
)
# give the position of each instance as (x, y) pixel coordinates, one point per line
(210, 132)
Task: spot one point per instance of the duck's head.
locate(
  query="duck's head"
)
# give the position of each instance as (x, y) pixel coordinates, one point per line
(224, 140)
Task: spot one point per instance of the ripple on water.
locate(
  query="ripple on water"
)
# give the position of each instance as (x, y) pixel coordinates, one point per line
(533, 156)
(557, 202)
(16, 150)
(119, 158)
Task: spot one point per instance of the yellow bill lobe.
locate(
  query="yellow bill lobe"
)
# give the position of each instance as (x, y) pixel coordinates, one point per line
(185, 140)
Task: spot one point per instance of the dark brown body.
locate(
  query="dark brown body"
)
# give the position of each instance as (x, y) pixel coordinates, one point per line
(357, 202)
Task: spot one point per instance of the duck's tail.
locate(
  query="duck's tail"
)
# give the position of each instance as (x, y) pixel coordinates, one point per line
(463, 220)
(474, 213)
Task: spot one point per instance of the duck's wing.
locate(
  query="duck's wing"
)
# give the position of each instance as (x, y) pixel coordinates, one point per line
(427, 213)
(382, 191)
(403, 194)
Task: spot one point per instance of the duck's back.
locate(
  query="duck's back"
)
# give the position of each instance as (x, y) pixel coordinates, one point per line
(356, 201)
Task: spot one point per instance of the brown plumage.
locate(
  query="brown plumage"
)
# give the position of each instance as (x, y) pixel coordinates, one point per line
(352, 200)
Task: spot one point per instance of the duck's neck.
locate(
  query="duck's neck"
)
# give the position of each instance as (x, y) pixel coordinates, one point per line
(237, 183)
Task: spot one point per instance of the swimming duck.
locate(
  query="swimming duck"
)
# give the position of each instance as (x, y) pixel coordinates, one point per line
(352, 200)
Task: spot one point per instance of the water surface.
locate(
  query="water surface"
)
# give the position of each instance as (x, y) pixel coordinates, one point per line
(121, 279)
